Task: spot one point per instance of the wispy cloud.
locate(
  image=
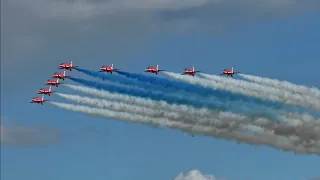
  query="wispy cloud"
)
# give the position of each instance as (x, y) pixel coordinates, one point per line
(29, 136)
(315, 178)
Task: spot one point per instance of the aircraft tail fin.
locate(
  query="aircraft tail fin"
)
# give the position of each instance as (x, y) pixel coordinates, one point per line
(192, 68)
(157, 67)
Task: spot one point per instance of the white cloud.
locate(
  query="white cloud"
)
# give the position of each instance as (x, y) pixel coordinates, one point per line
(194, 175)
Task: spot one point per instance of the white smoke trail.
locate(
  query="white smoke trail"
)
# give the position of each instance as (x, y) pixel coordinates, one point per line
(296, 98)
(209, 117)
(215, 118)
(313, 92)
(186, 109)
(251, 108)
(163, 105)
(245, 90)
(121, 106)
(280, 142)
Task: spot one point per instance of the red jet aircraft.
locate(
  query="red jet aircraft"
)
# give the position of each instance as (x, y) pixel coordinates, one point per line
(108, 69)
(60, 75)
(39, 100)
(153, 69)
(67, 66)
(229, 72)
(53, 82)
(188, 71)
(45, 91)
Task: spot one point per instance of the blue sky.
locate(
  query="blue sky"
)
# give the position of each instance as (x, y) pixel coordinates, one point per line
(285, 48)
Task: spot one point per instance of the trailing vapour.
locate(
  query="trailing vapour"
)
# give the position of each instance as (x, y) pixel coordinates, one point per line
(271, 93)
(259, 111)
(280, 142)
(208, 117)
(249, 89)
(284, 85)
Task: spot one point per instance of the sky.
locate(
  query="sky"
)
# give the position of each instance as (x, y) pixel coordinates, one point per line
(276, 39)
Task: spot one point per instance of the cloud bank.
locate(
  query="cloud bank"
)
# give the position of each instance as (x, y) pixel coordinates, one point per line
(36, 31)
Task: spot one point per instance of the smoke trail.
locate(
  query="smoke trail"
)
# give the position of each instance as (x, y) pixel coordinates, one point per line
(206, 91)
(152, 103)
(114, 78)
(182, 86)
(170, 87)
(121, 107)
(146, 102)
(231, 88)
(103, 76)
(315, 92)
(265, 91)
(166, 106)
(111, 79)
(145, 111)
(137, 80)
(156, 113)
(199, 92)
(153, 113)
(253, 110)
(269, 139)
(118, 79)
(202, 117)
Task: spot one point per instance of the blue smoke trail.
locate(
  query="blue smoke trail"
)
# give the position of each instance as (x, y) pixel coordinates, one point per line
(207, 92)
(123, 80)
(170, 86)
(174, 87)
(179, 85)
(218, 105)
(107, 77)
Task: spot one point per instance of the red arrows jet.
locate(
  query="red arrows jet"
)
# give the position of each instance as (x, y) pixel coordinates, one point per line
(229, 72)
(39, 100)
(53, 82)
(60, 75)
(108, 69)
(67, 66)
(45, 91)
(153, 69)
(188, 71)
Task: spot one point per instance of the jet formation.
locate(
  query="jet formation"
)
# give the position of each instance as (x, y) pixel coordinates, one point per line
(53, 82)
(108, 69)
